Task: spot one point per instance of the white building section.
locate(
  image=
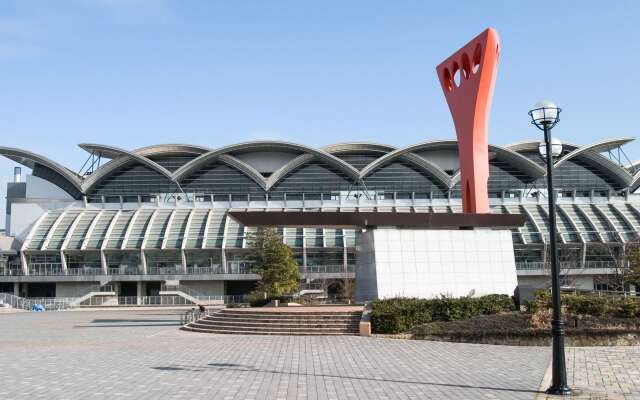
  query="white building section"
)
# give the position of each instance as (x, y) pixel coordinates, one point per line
(430, 263)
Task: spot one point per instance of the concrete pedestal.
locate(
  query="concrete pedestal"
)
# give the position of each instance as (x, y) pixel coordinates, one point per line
(426, 263)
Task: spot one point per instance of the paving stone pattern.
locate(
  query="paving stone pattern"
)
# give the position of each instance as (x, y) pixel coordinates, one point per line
(142, 355)
(610, 370)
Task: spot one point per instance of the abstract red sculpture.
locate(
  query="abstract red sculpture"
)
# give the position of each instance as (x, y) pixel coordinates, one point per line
(467, 78)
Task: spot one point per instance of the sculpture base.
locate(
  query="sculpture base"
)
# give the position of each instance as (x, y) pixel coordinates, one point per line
(426, 263)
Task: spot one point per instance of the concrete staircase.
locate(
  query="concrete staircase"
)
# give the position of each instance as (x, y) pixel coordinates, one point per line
(262, 322)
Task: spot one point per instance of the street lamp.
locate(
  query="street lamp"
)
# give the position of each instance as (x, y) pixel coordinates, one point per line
(545, 115)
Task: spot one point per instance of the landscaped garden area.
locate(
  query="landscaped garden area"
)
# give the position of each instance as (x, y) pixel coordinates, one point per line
(589, 319)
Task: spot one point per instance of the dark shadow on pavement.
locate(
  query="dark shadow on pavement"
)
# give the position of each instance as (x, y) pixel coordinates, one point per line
(244, 368)
(126, 325)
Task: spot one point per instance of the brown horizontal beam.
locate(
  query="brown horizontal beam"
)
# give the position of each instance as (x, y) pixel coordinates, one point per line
(372, 219)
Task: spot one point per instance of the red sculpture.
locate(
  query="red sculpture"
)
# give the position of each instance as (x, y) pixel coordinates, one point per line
(467, 78)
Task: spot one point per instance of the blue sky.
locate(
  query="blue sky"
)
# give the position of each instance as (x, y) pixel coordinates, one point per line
(136, 72)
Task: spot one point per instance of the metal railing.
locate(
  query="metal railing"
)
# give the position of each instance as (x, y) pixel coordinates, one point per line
(194, 315)
(564, 265)
(326, 269)
(49, 303)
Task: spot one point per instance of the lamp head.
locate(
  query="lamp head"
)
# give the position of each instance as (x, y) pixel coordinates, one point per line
(556, 148)
(545, 114)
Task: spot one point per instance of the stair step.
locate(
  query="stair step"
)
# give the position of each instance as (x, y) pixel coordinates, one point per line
(296, 326)
(216, 317)
(270, 328)
(192, 329)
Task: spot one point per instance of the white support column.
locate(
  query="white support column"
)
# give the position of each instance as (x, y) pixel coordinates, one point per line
(105, 241)
(65, 243)
(185, 238)
(145, 238)
(535, 224)
(345, 259)
(27, 241)
(304, 247)
(51, 231)
(610, 223)
(564, 212)
(139, 292)
(563, 240)
(94, 222)
(127, 232)
(223, 251)
(16, 289)
(167, 230)
(522, 236)
(624, 217)
(591, 223)
(205, 235)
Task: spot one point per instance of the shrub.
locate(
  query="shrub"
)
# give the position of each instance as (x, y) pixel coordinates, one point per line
(401, 314)
(627, 308)
(585, 305)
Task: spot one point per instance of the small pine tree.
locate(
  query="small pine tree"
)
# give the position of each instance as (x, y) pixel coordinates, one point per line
(274, 262)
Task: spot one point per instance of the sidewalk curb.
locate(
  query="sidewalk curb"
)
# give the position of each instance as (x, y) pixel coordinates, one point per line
(545, 383)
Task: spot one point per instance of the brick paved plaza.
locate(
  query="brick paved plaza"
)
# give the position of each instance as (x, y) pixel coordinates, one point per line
(142, 355)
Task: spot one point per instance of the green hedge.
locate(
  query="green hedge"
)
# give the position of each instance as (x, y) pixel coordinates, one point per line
(572, 304)
(399, 315)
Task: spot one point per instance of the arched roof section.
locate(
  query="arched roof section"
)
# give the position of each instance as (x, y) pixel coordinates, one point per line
(406, 154)
(592, 154)
(244, 168)
(120, 157)
(514, 159)
(161, 149)
(357, 146)
(635, 183)
(206, 158)
(287, 168)
(30, 160)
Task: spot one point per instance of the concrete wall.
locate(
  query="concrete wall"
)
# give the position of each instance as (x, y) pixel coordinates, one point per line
(72, 289)
(544, 282)
(25, 214)
(206, 288)
(430, 263)
(38, 188)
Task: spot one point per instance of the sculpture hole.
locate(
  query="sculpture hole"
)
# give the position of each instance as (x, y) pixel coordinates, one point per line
(456, 74)
(448, 82)
(466, 66)
(477, 55)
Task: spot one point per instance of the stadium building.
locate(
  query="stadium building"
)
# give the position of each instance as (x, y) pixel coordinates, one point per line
(135, 221)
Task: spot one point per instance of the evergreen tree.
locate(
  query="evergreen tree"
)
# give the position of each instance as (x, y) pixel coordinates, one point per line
(274, 262)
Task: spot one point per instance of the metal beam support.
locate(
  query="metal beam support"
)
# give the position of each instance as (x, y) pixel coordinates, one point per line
(94, 222)
(143, 257)
(223, 246)
(51, 231)
(535, 224)
(65, 242)
(27, 241)
(105, 241)
(127, 232)
(167, 230)
(522, 237)
(610, 223)
(205, 235)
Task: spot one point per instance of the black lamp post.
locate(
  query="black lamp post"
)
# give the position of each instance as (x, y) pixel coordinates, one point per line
(545, 115)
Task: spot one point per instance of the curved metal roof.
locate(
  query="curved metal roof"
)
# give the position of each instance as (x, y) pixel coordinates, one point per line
(160, 149)
(357, 146)
(510, 154)
(406, 154)
(592, 153)
(30, 159)
(513, 158)
(206, 158)
(119, 158)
